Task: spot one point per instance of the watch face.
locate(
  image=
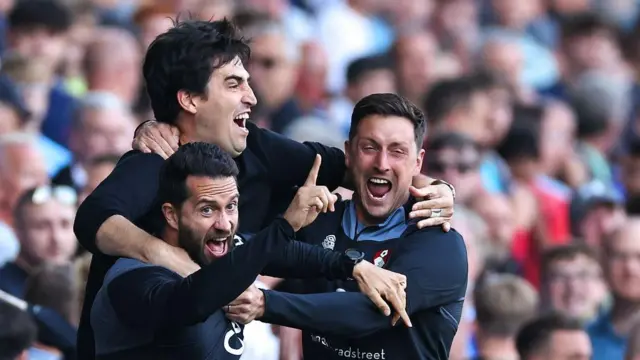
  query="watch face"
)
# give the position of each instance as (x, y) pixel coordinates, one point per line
(354, 254)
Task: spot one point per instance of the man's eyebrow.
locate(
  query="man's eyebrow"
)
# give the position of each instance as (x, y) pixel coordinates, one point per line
(237, 78)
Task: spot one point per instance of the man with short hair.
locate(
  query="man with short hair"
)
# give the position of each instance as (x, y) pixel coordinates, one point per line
(556, 337)
(17, 333)
(196, 81)
(103, 124)
(503, 304)
(621, 265)
(383, 153)
(572, 282)
(44, 227)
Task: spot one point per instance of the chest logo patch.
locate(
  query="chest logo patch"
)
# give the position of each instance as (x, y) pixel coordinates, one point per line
(329, 242)
(381, 257)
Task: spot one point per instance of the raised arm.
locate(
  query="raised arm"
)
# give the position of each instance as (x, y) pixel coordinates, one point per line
(154, 296)
(434, 262)
(104, 221)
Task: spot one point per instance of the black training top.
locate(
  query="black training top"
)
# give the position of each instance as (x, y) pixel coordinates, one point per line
(270, 168)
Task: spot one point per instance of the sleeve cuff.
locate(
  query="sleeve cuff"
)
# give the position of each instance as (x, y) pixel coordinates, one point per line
(286, 227)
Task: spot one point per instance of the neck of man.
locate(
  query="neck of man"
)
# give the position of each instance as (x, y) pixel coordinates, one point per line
(367, 219)
(497, 347)
(170, 236)
(623, 314)
(22, 261)
(187, 126)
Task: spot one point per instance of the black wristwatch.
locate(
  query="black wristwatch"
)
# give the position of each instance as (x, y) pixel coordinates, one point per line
(351, 258)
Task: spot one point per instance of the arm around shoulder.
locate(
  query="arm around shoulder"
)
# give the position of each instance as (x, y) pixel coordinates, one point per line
(129, 191)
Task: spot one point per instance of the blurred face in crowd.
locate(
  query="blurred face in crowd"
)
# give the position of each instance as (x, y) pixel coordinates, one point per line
(500, 115)
(46, 233)
(515, 14)
(95, 175)
(476, 120)
(11, 121)
(273, 69)
(570, 6)
(557, 137)
(575, 286)
(275, 8)
(21, 167)
(102, 132)
(497, 211)
(566, 345)
(504, 57)
(312, 74)
(383, 157)
(600, 222)
(214, 9)
(631, 174)
(594, 51)
(622, 261)
(378, 81)
(459, 167)
(207, 221)
(221, 114)
(39, 43)
(415, 58)
(409, 12)
(152, 26)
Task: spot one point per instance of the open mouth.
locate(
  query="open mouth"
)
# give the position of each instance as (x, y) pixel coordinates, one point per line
(241, 120)
(217, 247)
(378, 187)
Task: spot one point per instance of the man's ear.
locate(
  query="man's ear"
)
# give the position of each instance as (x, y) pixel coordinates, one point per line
(170, 215)
(419, 160)
(186, 101)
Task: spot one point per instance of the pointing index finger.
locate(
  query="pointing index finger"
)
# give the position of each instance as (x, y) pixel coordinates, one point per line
(313, 174)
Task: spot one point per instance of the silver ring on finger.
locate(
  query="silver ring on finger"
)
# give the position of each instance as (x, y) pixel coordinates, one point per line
(436, 213)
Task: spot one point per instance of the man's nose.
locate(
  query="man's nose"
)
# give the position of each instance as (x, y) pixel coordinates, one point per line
(249, 98)
(223, 224)
(382, 161)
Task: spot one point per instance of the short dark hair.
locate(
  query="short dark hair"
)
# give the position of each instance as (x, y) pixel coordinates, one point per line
(446, 96)
(52, 15)
(17, 333)
(450, 140)
(362, 66)
(535, 335)
(564, 252)
(184, 57)
(193, 159)
(389, 105)
(521, 142)
(584, 24)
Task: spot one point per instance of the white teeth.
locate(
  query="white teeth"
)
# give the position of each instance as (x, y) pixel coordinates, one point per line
(244, 116)
(379, 181)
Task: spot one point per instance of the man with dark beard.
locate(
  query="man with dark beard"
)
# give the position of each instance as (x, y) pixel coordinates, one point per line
(146, 311)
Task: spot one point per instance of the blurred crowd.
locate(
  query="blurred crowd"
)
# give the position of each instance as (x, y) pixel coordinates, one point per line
(533, 117)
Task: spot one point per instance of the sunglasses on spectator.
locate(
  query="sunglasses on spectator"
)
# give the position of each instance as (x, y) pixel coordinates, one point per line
(63, 194)
(461, 167)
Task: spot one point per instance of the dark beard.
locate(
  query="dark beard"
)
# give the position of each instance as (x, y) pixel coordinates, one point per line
(192, 245)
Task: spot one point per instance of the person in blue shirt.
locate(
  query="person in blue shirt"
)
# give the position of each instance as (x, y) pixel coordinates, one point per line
(383, 153)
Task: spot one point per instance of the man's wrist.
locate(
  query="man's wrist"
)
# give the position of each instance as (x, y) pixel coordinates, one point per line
(262, 302)
(442, 182)
(351, 260)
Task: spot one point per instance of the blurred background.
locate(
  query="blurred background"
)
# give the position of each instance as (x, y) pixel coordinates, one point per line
(533, 117)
